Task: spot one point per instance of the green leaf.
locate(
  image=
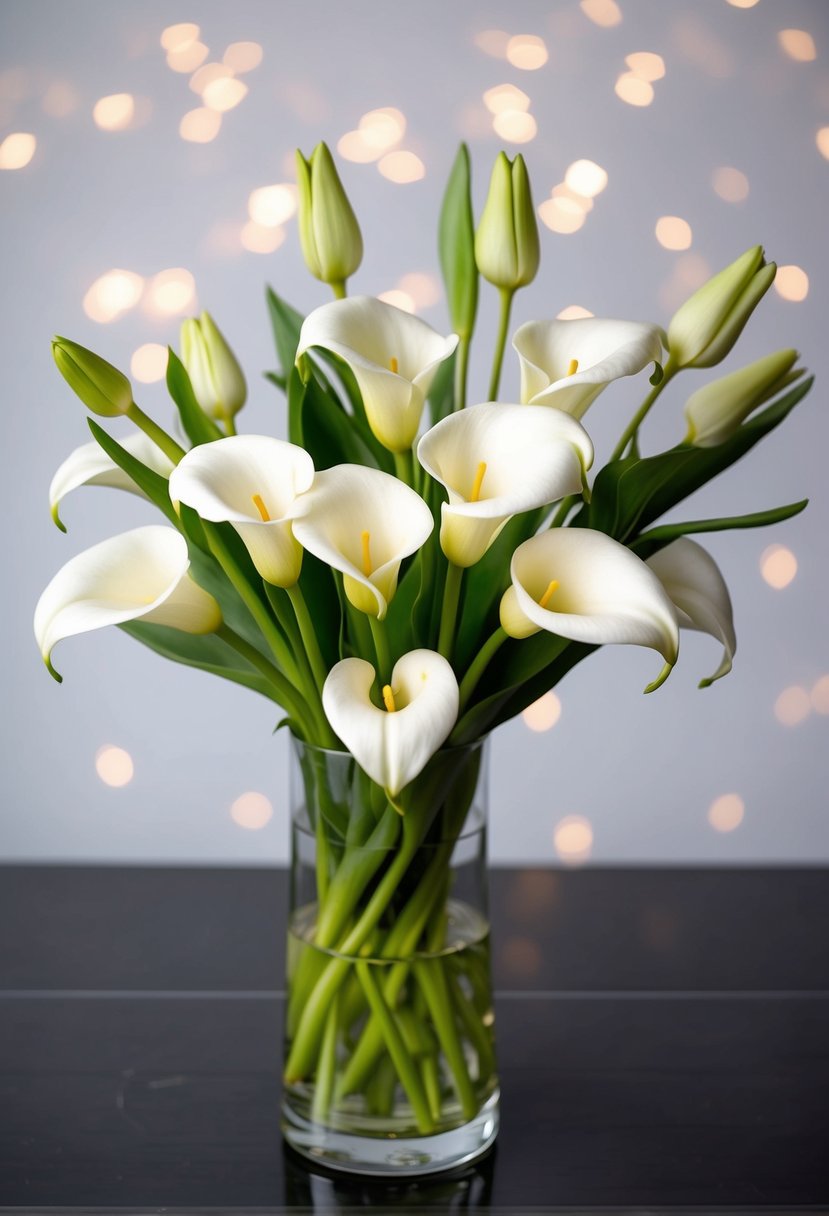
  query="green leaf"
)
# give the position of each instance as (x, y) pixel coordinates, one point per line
(657, 538)
(629, 494)
(332, 436)
(205, 652)
(441, 396)
(198, 427)
(153, 484)
(456, 245)
(286, 323)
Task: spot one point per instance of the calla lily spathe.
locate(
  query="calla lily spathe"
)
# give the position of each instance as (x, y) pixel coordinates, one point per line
(699, 594)
(715, 411)
(704, 329)
(363, 523)
(393, 355)
(393, 744)
(584, 586)
(567, 364)
(252, 482)
(89, 465)
(139, 575)
(496, 461)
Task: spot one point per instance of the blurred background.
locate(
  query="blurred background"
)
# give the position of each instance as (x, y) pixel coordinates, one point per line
(146, 171)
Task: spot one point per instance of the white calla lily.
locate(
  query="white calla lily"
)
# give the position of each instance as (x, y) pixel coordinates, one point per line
(395, 743)
(699, 594)
(139, 575)
(363, 523)
(498, 460)
(584, 586)
(566, 364)
(89, 465)
(394, 357)
(252, 482)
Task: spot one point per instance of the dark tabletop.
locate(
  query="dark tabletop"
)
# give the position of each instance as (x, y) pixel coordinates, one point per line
(663, 1041)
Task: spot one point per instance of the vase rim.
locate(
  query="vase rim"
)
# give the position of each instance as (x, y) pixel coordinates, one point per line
(460, 748)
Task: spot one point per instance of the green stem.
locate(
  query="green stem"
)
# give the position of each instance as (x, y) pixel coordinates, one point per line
(449, 611)
(404, 466)
(160, 438)
(339, 290)
(256, 659)
(324, 1083)
(638, 418)
(308, 634)
(381, 648)
(564, 508)
(230, 424)
(479, 665)
(500, 342)
(432, 983)
(461, 372)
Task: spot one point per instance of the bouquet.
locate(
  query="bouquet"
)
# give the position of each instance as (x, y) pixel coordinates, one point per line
(401, 575)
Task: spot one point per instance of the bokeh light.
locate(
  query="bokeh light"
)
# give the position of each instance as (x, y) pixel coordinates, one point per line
(353, 146)
(251, 811)
(778, 566)
(527, 52)
(515, 126)
(112, 294)
(726, 813)
(730, 184)
(382, 129)
(399, 299)
(793, 706)
(633, 90)
(798, 45)
(820, 695)
(149, 363)
(172, 291)
(272, 205)
(647, 65)
(115, 112)
(492, 42)
(17, 150)
(573, 312)
(114, 765)
(243, 56)
(602, 12)
(207, 73)
(791, 283)
(573, 839)
(822, 141)
(561, 215)
(743, 3)
(179, 37)
(505, 97)
(201, 125)
(673, 232)
(585, 177)
(188, 57)
(261, 238)
(402, 167)
(224, 94)
(423, 289)
(542, 714)
(562, 190)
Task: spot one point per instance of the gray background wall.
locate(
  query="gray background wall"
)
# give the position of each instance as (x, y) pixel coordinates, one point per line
(642, 771)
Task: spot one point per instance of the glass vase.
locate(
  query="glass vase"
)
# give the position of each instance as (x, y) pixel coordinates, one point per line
(389, 1039)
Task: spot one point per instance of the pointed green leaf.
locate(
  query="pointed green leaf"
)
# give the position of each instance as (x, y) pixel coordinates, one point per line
(286, 323)
(153, 484)
(205, 652)
(456, 244)
(198, 427)
(657, 538)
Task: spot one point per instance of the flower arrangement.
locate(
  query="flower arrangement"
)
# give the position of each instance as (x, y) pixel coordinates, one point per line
(401, 588)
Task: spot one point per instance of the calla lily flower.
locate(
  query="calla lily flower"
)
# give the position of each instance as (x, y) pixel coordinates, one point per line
(567, 364)
(252, 482)
(584, 586)
(393, 355)
(496, 461)
(139, 575)
(89, 465)
(704, 328)
(697, 589)
(395, 743)
(362, 522)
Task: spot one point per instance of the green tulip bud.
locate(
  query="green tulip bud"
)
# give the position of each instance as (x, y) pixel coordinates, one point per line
(101, 387)
(328, 230)
(717, 410)
(707, 325)
(215, 374)
(506, 242)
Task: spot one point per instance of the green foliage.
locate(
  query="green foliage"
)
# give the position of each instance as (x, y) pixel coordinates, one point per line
(153, 484)
(456, 245)
(206, 652)
(198, 427)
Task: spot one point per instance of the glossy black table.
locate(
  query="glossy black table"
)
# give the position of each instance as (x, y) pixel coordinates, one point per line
(663, 1039)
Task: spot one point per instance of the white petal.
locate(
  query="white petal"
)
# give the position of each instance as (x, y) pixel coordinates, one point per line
(605, 351)
(393, 748)
(219, 481)
(348, 500)
(373, 337)
(605, 593)
(697, 588)
(140, 574)
(89, 465)
(532, 457)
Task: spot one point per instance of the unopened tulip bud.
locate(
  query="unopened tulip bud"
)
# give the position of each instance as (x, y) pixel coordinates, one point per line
(214, 371)
(717, 410)
(506, 242)
(101, 387)
(707, 325)
(332, 244)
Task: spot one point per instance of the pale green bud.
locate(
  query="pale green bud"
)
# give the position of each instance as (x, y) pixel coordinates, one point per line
(506, 243)
(332, 244)
(215, 374)
(707, 325)
(717, 410)
(101, 387)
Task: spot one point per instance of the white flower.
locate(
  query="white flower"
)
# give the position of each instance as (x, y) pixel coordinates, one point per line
(496, 461)
(139, 575)
(252, 482)
(395, 743)
(693, 580)
(393, 355)
(584, 586)
(704, 329)
(89, 465)
(567, 363)
(363, 523)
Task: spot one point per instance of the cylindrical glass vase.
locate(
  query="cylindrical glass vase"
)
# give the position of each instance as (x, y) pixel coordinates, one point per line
(389, 1041)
